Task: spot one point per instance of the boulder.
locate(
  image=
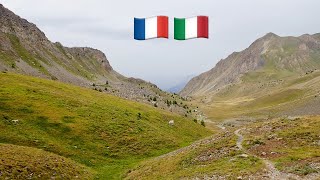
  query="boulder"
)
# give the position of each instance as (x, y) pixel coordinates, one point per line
(171, 122)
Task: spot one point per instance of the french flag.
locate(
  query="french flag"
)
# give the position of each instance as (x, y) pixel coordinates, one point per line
(149, 28)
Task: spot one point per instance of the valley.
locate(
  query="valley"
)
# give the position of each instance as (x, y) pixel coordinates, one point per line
(104, 133)
(65, 113)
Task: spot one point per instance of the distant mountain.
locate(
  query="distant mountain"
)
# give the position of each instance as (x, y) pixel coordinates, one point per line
(268, 56)
(180, 85)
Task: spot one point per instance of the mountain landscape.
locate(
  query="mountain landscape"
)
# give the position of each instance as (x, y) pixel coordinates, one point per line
(65, 113)
(67, 109)
(264, 102)
(274, 76)
(25, 49)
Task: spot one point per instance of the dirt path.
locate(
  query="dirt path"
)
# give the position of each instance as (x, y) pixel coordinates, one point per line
(273, 172)
(240, 139)
(270, 173)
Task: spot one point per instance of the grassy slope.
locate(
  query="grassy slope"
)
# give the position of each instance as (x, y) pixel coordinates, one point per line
(31, 163)
(217, 158)
(264, 93)
(293, 144)
(98, 130)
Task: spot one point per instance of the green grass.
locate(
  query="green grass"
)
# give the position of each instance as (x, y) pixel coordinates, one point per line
(19, 162)
(218, 157)
(294, 141)
(95, 129)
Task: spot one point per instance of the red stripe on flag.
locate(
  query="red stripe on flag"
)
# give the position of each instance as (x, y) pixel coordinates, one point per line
(163, 26)
(203, 27)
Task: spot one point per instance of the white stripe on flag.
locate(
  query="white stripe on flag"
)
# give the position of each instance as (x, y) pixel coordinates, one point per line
(191, 27)
(151, 28)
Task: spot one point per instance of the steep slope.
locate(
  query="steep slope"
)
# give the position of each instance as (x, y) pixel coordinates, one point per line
(269, 56)
(25, 49)
(103, 132)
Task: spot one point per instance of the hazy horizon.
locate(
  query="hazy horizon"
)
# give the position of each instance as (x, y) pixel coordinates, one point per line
(108, 26)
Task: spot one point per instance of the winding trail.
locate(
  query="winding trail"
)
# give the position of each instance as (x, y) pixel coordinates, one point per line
(273, 172)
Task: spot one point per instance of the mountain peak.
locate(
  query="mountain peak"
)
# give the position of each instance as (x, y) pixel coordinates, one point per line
(10, 23)
(269, 53)
(270, 35)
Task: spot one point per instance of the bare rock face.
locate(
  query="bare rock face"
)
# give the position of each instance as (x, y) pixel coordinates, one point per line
(95, 54)
(13, 24)
(294, 54)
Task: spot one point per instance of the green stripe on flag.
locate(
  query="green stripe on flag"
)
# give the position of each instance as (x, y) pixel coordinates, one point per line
(179, 29)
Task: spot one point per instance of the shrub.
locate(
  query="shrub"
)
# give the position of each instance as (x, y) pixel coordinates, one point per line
(203, 124)
(258, 141)
(139, 116)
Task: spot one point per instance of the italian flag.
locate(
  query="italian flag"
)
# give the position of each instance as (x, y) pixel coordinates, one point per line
(194, 27)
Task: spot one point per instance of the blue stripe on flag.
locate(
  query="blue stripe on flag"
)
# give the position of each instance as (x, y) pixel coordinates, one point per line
(139, 29)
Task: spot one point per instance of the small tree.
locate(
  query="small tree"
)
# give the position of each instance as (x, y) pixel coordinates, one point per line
(195, 120)
(202, 123)
(154, 99)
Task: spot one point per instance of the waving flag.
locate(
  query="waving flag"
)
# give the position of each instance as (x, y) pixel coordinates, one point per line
(153, 27)
(194, 27)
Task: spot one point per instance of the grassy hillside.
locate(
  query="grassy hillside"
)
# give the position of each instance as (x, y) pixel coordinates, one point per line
(282, 148)
(293, 144)
(265, 94)
(20, 162)
(216, 158)
(105, 133)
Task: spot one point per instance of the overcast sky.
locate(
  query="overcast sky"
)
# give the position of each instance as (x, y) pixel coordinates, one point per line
(108, 25)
